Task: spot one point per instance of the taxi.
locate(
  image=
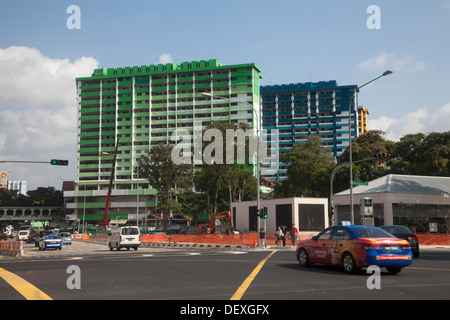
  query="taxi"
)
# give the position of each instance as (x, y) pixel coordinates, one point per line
(355, 247)
(50, 241)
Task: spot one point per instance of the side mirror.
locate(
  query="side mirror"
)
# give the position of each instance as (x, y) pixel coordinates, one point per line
(315, 238)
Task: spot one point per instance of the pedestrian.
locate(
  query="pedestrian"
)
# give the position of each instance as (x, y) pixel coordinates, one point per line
(294, 234)
(278, 235)
(283, 236)
(262, 238)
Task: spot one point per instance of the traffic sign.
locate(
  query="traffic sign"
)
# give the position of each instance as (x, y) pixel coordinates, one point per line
(357, 183)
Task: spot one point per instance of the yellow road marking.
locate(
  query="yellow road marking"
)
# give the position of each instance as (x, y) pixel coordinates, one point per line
(25, 288)
(428, 269)
(244, 286)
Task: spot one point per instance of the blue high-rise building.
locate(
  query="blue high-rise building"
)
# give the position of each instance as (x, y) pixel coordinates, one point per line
(301, 110)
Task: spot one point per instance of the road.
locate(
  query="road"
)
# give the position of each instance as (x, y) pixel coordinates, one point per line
(212, 274)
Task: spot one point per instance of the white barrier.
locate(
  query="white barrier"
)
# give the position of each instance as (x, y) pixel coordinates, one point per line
(11, 248)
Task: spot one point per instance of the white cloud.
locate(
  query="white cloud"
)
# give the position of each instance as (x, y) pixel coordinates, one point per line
(164, 58)
(38, 112)
(388, 60)
(376, 63)
(414, 122)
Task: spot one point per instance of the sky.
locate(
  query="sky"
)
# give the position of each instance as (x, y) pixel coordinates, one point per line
(45, 45)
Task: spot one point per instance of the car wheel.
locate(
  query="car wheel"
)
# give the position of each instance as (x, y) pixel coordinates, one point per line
(393, 270)
(348, 263)
(303, 258)
(135, 248)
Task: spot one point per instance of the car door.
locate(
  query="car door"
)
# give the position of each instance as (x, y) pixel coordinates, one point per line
(339, 242)
(319, 248)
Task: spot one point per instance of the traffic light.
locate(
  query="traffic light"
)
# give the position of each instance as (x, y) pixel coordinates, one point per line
(382, 155)
(265, 213)
(330, 212)
(56, 162)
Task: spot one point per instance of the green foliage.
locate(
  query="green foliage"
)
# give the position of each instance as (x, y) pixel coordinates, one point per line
(420, 154)
(165, 176)
(310, 164)
(223, 183)
(39, 197)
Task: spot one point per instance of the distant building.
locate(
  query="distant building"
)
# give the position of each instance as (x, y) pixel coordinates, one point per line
(302, 110)
(141, 107)
(20, 186)
(363, 120)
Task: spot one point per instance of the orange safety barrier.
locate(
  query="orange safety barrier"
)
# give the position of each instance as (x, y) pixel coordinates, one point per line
(433, 239)
(245, 239)
(11, 248)
(218, 239)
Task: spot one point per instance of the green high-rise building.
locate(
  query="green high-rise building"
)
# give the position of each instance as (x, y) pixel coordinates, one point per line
(141, 107)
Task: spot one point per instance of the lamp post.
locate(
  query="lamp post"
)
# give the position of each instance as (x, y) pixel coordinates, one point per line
(386, 73)
(258, 178)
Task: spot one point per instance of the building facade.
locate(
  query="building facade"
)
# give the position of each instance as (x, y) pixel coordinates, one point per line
(414, 201)
(308, 214)
(301, 110)
(363, 120)
(141, 107)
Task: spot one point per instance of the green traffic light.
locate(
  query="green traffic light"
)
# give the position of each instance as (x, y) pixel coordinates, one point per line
(56, 162)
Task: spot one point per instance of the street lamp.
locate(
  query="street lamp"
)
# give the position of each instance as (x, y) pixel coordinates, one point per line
(386, 73)
(258, 178)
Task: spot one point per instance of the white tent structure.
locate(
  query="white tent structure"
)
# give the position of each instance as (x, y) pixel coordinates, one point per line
(399, 199)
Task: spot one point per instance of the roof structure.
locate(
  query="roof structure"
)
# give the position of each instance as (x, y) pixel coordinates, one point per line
(404, 184)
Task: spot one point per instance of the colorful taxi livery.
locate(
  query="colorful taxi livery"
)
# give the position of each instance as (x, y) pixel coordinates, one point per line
(354, 247)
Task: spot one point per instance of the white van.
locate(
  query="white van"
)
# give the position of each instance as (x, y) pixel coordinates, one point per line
(124, 237)
(23, 235)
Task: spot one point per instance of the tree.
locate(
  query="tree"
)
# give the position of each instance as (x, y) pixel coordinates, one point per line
(165, 176)
(420, 154)
(46, 197)
(223, 182)
(365, 146)
(310, 164)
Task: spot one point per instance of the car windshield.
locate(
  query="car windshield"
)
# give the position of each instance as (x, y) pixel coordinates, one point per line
(397, 229)
(23, 232)
(65, 234)
(130, 231)
(372, 233)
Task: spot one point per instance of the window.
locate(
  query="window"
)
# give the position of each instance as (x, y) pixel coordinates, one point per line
(325, 235)
(340, 234)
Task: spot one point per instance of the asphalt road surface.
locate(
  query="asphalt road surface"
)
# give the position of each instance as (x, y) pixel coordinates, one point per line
(88, 271)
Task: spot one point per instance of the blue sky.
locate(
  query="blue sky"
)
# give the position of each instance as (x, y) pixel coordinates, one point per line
(290, 40)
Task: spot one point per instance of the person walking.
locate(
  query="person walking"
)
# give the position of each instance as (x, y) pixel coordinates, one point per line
(278, 234)
(262, 238)
(294, 234)
(283, 236)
